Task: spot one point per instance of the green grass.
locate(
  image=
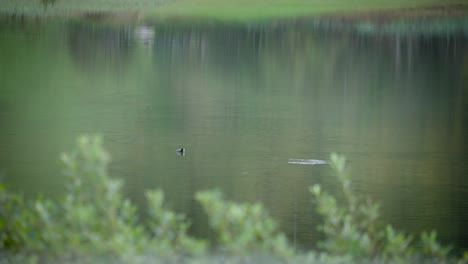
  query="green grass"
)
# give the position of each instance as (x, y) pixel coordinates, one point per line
(266, 9)
(230, 10)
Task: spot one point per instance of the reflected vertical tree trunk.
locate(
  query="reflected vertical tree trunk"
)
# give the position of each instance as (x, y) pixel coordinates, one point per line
(397, 56)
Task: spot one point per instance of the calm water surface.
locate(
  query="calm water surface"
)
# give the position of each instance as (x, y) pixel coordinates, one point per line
(243, 99)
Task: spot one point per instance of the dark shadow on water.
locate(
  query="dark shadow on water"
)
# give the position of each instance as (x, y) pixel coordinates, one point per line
(48, 3)
(91, 46)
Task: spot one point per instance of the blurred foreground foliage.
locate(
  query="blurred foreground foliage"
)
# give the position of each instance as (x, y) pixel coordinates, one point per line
(353, 228)
(243, 228)
(94, 223)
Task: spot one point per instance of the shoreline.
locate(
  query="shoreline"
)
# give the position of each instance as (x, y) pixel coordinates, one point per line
(168, 12)
(392, 14)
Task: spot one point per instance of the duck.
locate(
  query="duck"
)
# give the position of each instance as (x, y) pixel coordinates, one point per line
(180, 151)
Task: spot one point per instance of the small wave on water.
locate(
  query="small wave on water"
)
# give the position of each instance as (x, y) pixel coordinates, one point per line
(307, 162)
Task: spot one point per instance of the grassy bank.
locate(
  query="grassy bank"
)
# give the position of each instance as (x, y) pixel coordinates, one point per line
(267, 9)
(238, 10)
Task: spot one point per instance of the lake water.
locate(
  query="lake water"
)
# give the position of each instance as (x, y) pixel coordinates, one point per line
(244, 100)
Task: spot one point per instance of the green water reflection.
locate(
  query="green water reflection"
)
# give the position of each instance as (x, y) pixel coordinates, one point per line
(243, 100)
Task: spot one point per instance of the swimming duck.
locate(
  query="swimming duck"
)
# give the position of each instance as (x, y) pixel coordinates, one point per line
(180, 151)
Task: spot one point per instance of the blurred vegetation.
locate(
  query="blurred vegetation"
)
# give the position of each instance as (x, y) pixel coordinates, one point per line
(243, 228)
(93, 222)
(353, 227)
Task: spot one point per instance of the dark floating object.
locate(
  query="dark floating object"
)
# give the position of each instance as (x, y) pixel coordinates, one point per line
(180, 151)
